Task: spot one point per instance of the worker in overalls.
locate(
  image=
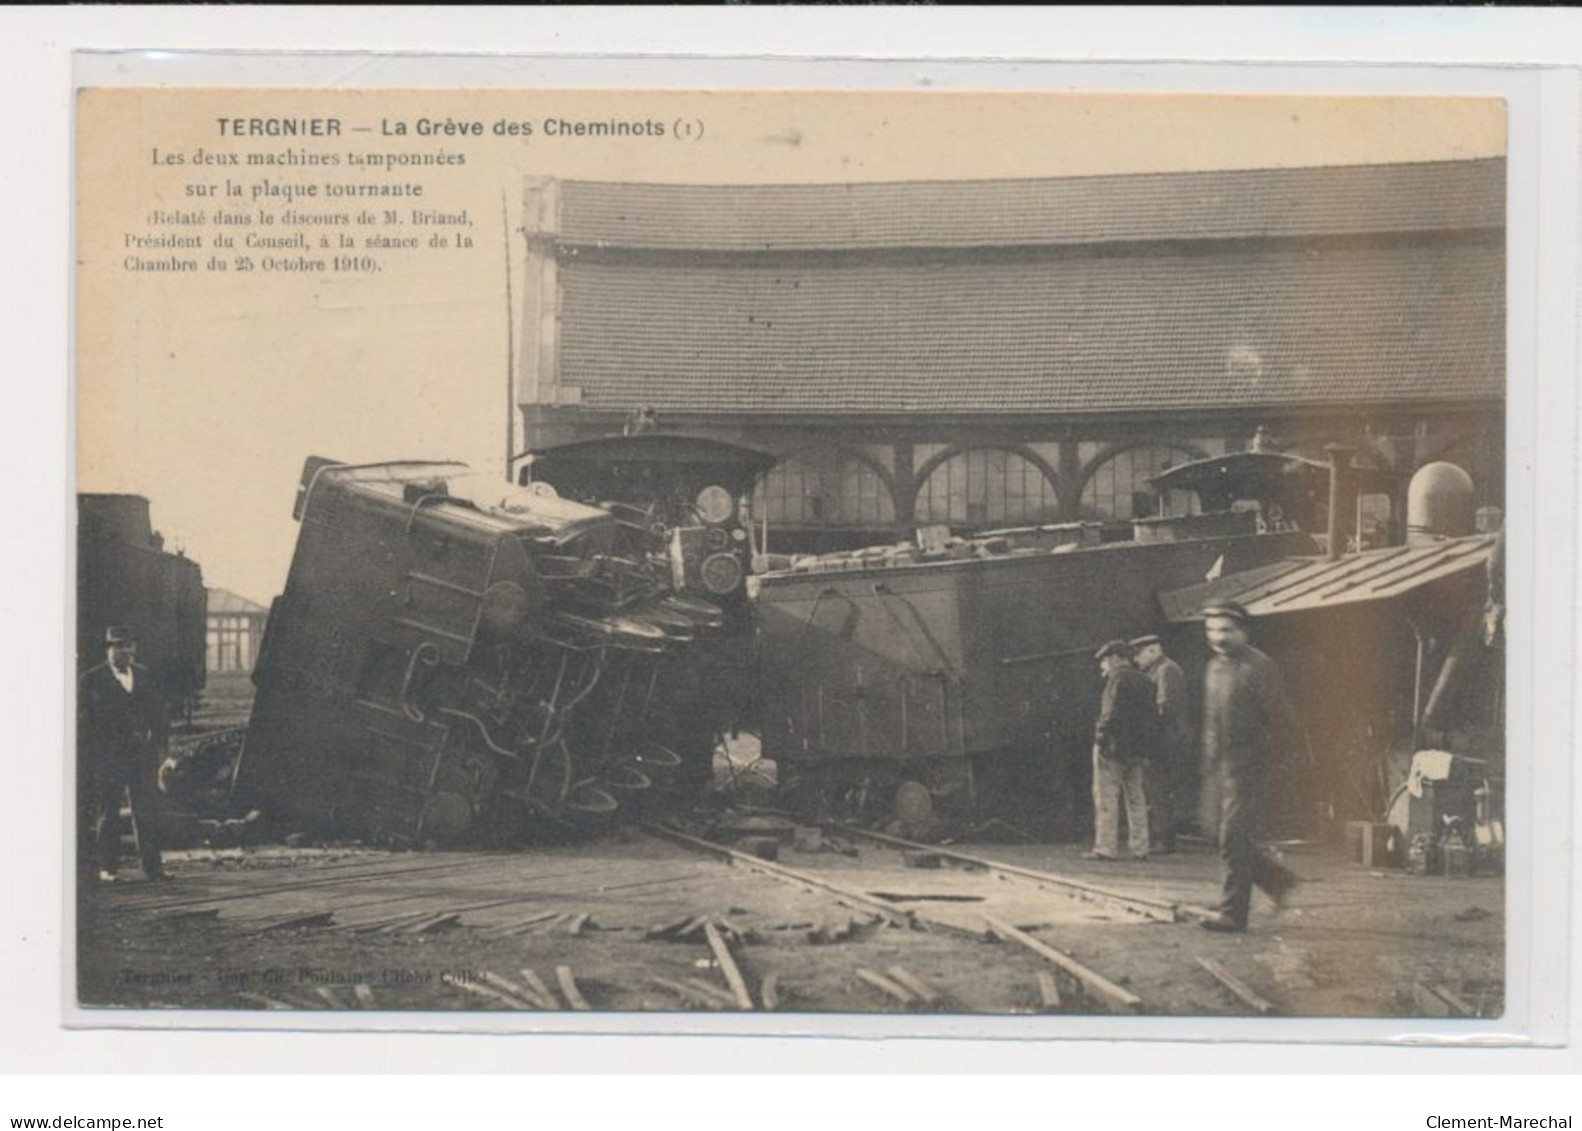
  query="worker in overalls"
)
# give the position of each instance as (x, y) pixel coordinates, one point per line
(1124, 738)
(1167, 782)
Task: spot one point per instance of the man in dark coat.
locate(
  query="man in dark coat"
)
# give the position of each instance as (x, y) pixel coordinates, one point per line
(1246, 720)
(1124, 738)
(1167, 783)
(121, 728)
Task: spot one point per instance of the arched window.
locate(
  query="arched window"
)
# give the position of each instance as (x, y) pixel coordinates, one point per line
(1117, 487)
(982, 486)
(824, 488)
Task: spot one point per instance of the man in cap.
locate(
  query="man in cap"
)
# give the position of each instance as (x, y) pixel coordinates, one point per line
(1166, 771)
(1123, 739)
(1246, 718)
(121, 727)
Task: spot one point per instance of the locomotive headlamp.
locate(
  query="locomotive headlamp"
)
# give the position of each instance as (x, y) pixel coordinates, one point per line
(715, 504)
(722, 573)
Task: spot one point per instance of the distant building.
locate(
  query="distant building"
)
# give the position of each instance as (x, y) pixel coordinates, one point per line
(235, 628)
(1015, 351)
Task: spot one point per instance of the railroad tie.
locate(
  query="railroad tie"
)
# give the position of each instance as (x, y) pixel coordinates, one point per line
(687, 993)
(541, 991)
(769, 992)
(885, 985)
(1119, 1000)
(725, 999)
(1048, 991)
(522, 998)
(568, 986)
(1236, 986)
(733, 975)
(927, 993)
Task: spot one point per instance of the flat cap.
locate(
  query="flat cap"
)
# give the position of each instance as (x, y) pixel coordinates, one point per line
(1144, 641)
(120, 634)
(1114, 648)
(1226, 609)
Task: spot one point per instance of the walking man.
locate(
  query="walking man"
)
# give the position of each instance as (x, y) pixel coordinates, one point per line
(120, 737)
(1123, 739)
(1166, 776)
(1246, 717)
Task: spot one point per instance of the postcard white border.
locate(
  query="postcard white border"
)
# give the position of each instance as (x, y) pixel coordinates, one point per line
(1543, 292)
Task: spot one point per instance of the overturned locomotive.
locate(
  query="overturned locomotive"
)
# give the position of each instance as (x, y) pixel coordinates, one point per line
(454, 661)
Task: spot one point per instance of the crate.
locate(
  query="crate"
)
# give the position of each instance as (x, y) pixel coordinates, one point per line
(1373, 845)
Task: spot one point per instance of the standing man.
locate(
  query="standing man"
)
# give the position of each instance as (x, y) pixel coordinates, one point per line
(1246, 718)
(120, 737)
(1167, 784)
(1123, 739)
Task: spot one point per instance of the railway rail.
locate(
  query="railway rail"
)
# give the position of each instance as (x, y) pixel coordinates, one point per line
(663, 920)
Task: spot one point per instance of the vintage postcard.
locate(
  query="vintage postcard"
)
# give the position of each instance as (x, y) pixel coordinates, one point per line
(926, 552)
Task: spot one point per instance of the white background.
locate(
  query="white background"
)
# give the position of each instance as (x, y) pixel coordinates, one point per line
(35, 140)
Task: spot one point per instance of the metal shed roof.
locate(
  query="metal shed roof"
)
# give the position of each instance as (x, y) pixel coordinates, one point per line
(1304, 584)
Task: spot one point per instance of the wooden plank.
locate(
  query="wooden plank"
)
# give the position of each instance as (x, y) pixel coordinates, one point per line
(1236, 986)
(886, 986)
(1431, 1004)
(520, 996)
(519, 926)
(769, 992)
(568, 986)
(289, 922)
(733, 976)
(431, 924)
(190, 915)
(541, 990)
(686, 992)
(480, 990)
(1120, 1000)
(911, 981)
(329, 996)
(1048, 990)
(1461, 1006)
(666, 929)
(719, 995)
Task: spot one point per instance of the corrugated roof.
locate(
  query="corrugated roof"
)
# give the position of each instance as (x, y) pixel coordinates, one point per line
(1050, 333)
(223, 601)
(1305, 584)
(1219, 204)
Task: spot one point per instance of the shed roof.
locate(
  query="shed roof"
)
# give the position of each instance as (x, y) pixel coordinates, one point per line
(1216, 204)
(223, 601)
(1305, 584)
(1178, 328)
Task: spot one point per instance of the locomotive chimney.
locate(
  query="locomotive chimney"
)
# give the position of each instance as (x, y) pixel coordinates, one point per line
(1341, 502)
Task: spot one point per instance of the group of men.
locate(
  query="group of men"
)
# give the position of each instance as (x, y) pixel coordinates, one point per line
(1143, 746)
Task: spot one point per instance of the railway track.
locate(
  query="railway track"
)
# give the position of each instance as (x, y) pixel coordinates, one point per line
(668, 920)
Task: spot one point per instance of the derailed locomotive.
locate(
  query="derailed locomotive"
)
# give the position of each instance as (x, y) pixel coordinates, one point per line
(452, 662)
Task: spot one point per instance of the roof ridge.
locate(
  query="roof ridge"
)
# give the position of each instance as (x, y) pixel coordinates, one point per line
(1463, 162)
